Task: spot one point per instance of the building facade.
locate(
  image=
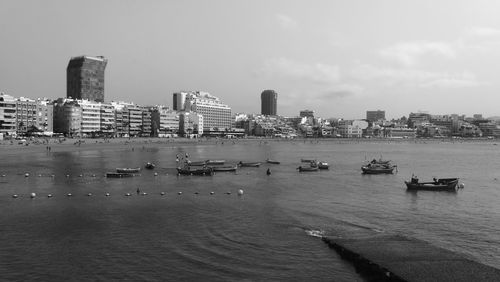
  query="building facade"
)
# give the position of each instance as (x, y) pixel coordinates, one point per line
(85, 78)
(375, 115)
(179, 101)
(269, 102)
(216, 115)
(67, 117)
(7, 114)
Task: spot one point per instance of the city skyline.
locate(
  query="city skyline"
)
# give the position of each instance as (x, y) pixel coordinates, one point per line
(337, 58)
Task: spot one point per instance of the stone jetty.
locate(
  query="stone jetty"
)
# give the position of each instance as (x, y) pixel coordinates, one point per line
(397, 258)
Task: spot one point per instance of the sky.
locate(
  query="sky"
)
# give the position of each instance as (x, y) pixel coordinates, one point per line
(339, 58)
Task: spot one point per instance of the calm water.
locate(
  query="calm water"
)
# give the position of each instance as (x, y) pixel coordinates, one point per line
(269, 233)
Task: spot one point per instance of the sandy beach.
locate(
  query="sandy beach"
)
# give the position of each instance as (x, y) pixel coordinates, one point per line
(8, 147)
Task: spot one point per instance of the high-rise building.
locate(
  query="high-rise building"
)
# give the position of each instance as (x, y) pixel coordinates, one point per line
(85, 78)
(375, 115)
(269, 102)
(179, 101)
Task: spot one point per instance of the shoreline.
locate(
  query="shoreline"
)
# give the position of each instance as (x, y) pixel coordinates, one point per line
(8, 147)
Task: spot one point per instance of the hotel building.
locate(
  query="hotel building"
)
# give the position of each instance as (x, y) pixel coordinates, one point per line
(216, 115)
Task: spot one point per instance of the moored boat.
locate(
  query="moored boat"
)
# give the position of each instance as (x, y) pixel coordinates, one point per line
(118, 174)
(249, 164)
(224, 168)
(269, 161)
(149, 165)
(306, 169)
(128, 170)
(199, 171)
(323, 165)
(378, 168)
(442, 184)
(307, 160)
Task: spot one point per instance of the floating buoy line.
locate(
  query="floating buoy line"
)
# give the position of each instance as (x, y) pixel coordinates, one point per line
(128, 194)
(107, 194)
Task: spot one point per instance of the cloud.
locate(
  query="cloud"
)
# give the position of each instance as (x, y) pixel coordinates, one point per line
(482, 32)
(285, 68)
(409, 53)
(286, 22)
(414, 77)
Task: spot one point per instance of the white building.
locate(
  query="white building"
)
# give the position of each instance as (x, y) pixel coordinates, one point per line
(216, 115)
(7, 114)
(191, 124)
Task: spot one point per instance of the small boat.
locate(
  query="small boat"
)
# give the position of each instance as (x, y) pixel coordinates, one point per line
(249, 164)
(118, 174)
(442, 184)
(199, 171)
(224, 168)
(307, 161)
(215, 162)
(197, 163)
(149, 165)
(305, 169)
(128, 170)
(269, 161)
(323, 165)
(378, 168)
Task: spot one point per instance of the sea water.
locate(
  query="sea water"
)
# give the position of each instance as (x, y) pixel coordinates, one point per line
(209, 232)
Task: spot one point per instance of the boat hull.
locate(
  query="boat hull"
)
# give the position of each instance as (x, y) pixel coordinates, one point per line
(128, 170)
(272, 162)
(449, 184)
(203, 171)
(118, 175)
(368, 170)
(223, 168)
(242, 164)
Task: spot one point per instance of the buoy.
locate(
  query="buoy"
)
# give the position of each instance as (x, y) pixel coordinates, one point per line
(93, 175)
(107, 194)
(26, 174)
(211, 193)
(39, 175)
(53, 175)
(240, 192)
(162, 193)
(179, 193)
(67, 175)
(49, 196)
(461, 185)
(81, 175)
(69, 195)
(15, 196)
(156, 173)
(144, 193)
(3, 175)
(33, 195)
(128, 194)
(89, 194)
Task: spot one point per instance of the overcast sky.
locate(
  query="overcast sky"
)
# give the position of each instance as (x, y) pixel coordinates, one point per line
(338, 58)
